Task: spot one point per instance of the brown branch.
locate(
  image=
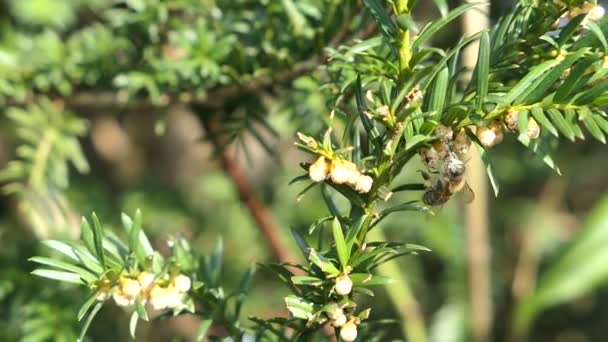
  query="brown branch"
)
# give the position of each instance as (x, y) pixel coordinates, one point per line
(256, 208)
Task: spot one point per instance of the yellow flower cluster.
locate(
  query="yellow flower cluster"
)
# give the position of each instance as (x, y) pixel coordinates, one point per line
(340, 171)
(159, 296)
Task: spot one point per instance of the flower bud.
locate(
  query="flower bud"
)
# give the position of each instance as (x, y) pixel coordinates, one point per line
(511, 120)
(121, 300)
(348, 332)
(364, 184)
(336, 315)
(533, 129)
(146, 280)
(595, 12)
(445, 133)
(341, 170)
(182, 283)
(130, 287)
(339, 320)
(318, 170)
(103, 293)
(430, 158)
(384, 112)
(162, 298)
(461, 143)
(486, 136)
(344, 285)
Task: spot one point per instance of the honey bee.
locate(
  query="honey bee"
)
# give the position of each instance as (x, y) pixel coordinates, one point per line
(451, 180)
(437, 194)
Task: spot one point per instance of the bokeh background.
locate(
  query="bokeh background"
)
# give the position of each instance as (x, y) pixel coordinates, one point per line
(118, 75)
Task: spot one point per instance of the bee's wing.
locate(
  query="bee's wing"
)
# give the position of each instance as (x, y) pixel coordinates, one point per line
(467, 194)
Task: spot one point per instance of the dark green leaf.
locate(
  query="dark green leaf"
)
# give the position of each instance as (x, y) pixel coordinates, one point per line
(323, 263)
(570, 29)
(562, 125)
(203, 328)
(98, 239)
(536, 148)
(410, 187)
(589, 95)
(133, 323)
(594, 129)
(526, 84)
(141, 309)
(539, 116)
(430, 30)
(597, 31)
(366, 279)
(307, 281)
(544, 83)
(382, 18)
(299, 307)
(302, 244)
(86, 306)
(483, 70)
(89, 320)
(486, 161)
(572, 80)
(67, 277)
(439, 90)
(84, 274)
(341, 248)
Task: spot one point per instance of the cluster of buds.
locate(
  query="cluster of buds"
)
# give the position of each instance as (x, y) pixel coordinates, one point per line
(347, 325)
(160, 296)
(171, 295)
(434, 156)
(340, 171)
(512, 124)
(491, 134)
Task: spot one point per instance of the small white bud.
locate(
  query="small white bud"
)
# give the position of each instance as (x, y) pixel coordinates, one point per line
(341, 171)
(461, 144)
(103, 294)
(486, 136)
(354, 176)
(318, 170)
(182, 283)
(595, 12)
(364, 184)
(512, 120)
(383, 111)
(344, 285)
(496, 126)
(533, 129)
(146, 280)
(445, 133)
(339, 320)
(162, 298)
(491, 135)
(121, 300)
(348, 332)
(130, 287)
